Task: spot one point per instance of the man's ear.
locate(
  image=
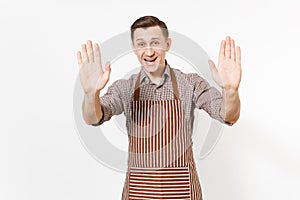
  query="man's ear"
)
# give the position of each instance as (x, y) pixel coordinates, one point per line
(169, 42)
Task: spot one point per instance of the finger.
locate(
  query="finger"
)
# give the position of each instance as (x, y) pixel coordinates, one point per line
(84, 53)
(222, 51)
(107, 66)
(107, 71)
(97, 54)
(212, 66)
(238, 55)
(227, 48)
(90, 51)
(79, 59)
(232, 51)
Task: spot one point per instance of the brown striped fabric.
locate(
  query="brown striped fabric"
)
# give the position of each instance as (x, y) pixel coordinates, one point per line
(165, 183)
(160, 160)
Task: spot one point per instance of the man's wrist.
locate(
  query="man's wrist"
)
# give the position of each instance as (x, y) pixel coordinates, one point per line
(229, 91)
(91, 97)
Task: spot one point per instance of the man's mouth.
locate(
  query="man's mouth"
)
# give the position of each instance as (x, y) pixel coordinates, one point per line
(150, 61)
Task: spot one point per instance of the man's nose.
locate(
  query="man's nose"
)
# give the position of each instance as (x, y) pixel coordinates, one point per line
(149, 51)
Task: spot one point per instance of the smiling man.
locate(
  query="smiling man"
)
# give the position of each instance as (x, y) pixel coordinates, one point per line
(159, 104)
(150, 45)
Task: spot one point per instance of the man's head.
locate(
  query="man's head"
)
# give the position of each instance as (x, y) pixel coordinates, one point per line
(149, 21)
(150, 42)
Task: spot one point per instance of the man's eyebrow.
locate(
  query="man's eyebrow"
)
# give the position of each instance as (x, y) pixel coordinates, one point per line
(154, 38)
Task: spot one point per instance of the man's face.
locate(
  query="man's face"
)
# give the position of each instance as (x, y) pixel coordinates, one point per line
(151, 46)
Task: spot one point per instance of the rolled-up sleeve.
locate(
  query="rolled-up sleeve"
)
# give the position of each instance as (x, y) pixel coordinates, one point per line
(207, 97)
(111, 103)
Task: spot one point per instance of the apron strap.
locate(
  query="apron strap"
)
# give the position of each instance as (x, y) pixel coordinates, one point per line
(174, 85)
(137, 88)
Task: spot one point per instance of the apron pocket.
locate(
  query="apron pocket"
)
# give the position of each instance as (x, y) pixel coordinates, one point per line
(159, 183)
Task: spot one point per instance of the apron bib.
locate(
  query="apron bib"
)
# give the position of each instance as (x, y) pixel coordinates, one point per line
(160, 156)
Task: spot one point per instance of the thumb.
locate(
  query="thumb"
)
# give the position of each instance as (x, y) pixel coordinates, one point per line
(107, 66)
(212, 66)
(107, 70)
(214, 71)
(105, 76)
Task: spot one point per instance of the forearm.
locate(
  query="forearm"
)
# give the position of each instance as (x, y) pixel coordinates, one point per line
(230, 110)
(91, 108)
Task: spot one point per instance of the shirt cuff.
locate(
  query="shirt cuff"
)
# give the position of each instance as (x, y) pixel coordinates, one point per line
(105, 115)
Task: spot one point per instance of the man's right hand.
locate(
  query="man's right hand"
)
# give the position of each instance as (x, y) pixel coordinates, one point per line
(92, 77)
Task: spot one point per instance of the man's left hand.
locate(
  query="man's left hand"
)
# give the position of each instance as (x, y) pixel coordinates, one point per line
(228, 73)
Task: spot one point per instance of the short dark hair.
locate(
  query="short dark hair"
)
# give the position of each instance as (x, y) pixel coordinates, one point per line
(149, 21)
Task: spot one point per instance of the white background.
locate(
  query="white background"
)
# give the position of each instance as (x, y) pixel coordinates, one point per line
(41, 156)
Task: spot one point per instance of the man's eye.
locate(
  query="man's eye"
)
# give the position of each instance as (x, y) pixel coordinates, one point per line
(156, 43)
(141, 44)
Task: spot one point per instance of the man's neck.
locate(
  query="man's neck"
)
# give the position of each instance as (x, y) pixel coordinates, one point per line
(156, 76)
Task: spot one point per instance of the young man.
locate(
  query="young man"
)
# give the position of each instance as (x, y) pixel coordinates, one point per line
(158, 103)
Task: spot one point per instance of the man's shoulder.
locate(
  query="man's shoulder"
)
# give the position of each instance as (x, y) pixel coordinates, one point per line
(125, 83)
(190, 77)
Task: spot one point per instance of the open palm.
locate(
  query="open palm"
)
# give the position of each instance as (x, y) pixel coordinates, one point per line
(229, 71)
(92, 76)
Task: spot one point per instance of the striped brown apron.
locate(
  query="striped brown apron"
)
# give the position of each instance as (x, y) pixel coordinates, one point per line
(160, 155)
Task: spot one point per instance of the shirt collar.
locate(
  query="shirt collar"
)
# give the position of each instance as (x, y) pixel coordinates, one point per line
(165, 77)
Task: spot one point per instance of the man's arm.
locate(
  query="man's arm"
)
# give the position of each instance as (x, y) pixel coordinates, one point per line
(96, 113)
(228, 76)
(230, 110)
(91, 108)
(93, 79)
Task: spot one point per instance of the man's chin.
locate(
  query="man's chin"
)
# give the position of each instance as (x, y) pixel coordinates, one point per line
(150, 68)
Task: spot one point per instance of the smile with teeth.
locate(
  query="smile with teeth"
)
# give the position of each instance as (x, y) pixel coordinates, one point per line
(150, 60)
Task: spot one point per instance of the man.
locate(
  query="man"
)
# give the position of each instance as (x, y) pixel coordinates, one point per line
(158, 103)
